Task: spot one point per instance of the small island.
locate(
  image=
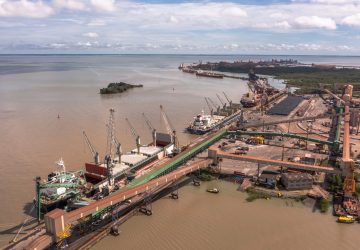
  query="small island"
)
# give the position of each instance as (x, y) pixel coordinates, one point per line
(118, 87)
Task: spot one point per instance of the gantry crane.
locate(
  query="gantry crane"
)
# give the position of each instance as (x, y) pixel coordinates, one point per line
(93, 151)
(151, 128)
(228, 99)
(135, 135)
(209, 106)
(170, 129)
(221, 101)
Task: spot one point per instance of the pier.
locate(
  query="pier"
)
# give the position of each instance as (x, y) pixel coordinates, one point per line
(108, 213)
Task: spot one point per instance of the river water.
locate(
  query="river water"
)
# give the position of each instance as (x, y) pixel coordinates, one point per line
(34, 90)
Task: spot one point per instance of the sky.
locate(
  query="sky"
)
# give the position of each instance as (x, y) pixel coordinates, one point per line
(309, 27)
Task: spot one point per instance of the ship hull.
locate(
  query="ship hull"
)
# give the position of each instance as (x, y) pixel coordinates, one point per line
(225, 121)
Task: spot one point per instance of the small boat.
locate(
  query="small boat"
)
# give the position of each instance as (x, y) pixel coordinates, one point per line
(213, 190)
(346, 219)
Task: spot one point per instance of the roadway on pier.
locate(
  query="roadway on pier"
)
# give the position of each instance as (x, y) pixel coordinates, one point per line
(287, 164)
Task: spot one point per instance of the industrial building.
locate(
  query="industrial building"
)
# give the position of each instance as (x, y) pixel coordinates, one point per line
(292, 181)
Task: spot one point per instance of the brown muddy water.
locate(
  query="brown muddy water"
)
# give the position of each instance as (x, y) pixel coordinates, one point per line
(35, 89)
(201, 220)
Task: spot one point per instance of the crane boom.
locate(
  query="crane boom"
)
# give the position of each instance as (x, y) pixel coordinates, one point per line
(221, 101)
(151, 128)
(227, 98)
(209, 105)
(170, 129)
(213, 103)
(118, 148)
(94, 152)
(135, 135)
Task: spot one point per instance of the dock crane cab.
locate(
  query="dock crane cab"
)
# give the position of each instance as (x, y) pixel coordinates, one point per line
(151, 128)
(93, 151)
(135, 135)
(171, 130)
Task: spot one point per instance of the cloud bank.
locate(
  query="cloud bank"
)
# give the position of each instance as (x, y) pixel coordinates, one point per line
(199, 26)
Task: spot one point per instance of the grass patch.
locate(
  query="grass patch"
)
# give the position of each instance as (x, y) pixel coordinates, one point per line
(254, 195)
(324, 205)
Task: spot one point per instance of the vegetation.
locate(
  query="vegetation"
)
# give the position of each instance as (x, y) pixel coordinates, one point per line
(118, 87)
(306, 78)
(335, 183)
(324, 205)
(253, 195)
(205, 176)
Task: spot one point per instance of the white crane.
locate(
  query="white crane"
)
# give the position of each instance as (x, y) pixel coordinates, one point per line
(111, 144)
(228, 99)
(118, 149)
(135, 135)
(209, 105)
(93, 151)
(221, 101)
(170, 129)
(214, 104)
(151, 128)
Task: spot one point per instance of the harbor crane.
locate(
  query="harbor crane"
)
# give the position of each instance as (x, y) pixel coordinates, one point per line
(151, 128)
(111, 145)
(118, 149)
(228, 99)
(214, 104)
(170, 129)
(221, 101)
(93, 151)
(209, 106)
(135, 135)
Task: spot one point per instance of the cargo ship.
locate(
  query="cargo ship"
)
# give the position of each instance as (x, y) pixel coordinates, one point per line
(203, 124)
(250, 100)
(126, 165)
(60, 186)
(259, 92)
(73, 189)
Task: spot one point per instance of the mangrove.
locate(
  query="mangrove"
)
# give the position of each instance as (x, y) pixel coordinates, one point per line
(118, 87)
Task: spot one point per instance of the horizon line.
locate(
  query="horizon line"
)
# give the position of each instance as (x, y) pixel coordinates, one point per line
(171, 54)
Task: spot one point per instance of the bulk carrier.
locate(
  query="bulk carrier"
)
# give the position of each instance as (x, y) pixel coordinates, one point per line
(203, 123)
(260, 92)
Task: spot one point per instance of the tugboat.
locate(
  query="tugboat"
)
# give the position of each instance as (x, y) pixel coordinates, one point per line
(213, 190)
(348, 219)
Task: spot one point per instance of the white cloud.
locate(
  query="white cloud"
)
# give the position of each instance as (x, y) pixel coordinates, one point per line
(57, 45)
(335, 1)
(70, 4)
(91, 35)
(104, 5)
(315, 22)
(25, 8)
(97, 22)
(234, 11)
(353, 20)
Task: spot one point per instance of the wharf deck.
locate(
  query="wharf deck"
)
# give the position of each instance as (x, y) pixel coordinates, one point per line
(280, 163)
